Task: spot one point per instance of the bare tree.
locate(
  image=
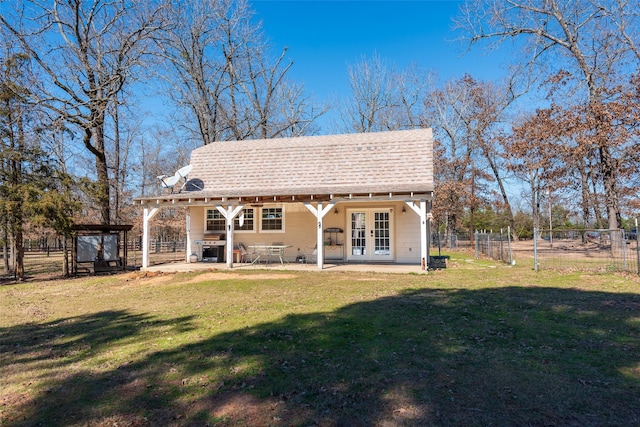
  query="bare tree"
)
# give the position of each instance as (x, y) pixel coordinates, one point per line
(454, 169)
(468, 116)
(221, 72)
(123, 156)
(87, 52)
(383, 98)
(594, 41)
(372, 94)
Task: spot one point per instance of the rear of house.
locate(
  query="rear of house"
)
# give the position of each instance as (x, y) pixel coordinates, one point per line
(343, 198)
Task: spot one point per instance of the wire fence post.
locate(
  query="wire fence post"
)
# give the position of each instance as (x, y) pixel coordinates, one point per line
(535, 249)
(477, 244)
(509, 245)
(623, 244)
(637, 248)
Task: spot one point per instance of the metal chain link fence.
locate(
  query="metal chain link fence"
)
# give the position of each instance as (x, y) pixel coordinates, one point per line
(576, 249)
(494, 245)
(586, 249)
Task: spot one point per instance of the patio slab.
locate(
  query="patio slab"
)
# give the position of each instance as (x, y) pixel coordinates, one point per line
(203, 266)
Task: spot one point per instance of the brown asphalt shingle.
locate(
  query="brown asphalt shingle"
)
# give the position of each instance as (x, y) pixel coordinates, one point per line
(380, 162)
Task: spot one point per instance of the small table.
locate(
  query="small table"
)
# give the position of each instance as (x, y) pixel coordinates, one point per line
(265, 250)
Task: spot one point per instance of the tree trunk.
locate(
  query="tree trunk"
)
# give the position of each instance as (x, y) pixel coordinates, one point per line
(5, 250)
(535, 203)
(102, 171)
(65, 258)
(584, 190)
(18, 244)
(116, 161)
(503, 193)
(609, 180)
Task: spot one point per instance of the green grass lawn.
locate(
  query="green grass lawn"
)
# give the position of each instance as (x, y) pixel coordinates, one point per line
(475, 344)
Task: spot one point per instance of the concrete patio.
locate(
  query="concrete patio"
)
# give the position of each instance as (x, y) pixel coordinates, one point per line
(203, 266)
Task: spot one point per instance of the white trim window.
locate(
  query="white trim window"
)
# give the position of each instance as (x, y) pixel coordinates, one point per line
(249, 224)
(272, 219)
(214, 220)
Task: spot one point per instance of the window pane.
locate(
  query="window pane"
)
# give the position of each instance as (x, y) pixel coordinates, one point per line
(215, 220)
(272, 219)
(382, 228)
(248, 221)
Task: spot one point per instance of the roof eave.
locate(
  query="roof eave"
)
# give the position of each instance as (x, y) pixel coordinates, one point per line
(199, 198)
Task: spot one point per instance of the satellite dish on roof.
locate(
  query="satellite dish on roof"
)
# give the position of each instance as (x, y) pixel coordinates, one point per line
(170, 181)
(184, 171)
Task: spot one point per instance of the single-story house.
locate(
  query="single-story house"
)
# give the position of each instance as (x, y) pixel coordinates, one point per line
(360, 198)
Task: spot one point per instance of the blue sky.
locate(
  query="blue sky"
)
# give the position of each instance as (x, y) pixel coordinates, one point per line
(325, 37)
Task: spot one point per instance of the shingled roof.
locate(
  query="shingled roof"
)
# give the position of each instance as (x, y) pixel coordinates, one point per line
(304, 167)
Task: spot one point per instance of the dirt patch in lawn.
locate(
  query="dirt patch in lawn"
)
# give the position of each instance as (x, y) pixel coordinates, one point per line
(234, 276)
(148, 278)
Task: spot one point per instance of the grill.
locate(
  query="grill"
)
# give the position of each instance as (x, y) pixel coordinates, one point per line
(212, 247)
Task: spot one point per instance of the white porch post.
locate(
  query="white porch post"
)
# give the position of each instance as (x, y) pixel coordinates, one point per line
(146, 216)
(320, 238)
(188, 224)
(424, 230)
(424, 233)
(319, 213)
(230, 214)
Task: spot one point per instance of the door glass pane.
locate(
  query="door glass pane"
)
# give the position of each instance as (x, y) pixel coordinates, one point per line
(382, 234)
(358, 233)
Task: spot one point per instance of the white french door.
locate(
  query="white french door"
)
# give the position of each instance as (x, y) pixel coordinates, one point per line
(370, 235)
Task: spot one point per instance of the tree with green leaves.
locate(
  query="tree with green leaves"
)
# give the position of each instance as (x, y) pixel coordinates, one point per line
(31, 188)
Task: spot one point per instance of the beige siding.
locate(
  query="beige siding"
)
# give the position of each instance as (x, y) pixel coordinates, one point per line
(197, 223)
(407, 236)
(300, 230)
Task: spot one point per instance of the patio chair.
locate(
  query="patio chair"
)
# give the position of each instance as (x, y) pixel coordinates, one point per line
(261, 253)
(276, 251)
(245, 255)
(311, 254)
